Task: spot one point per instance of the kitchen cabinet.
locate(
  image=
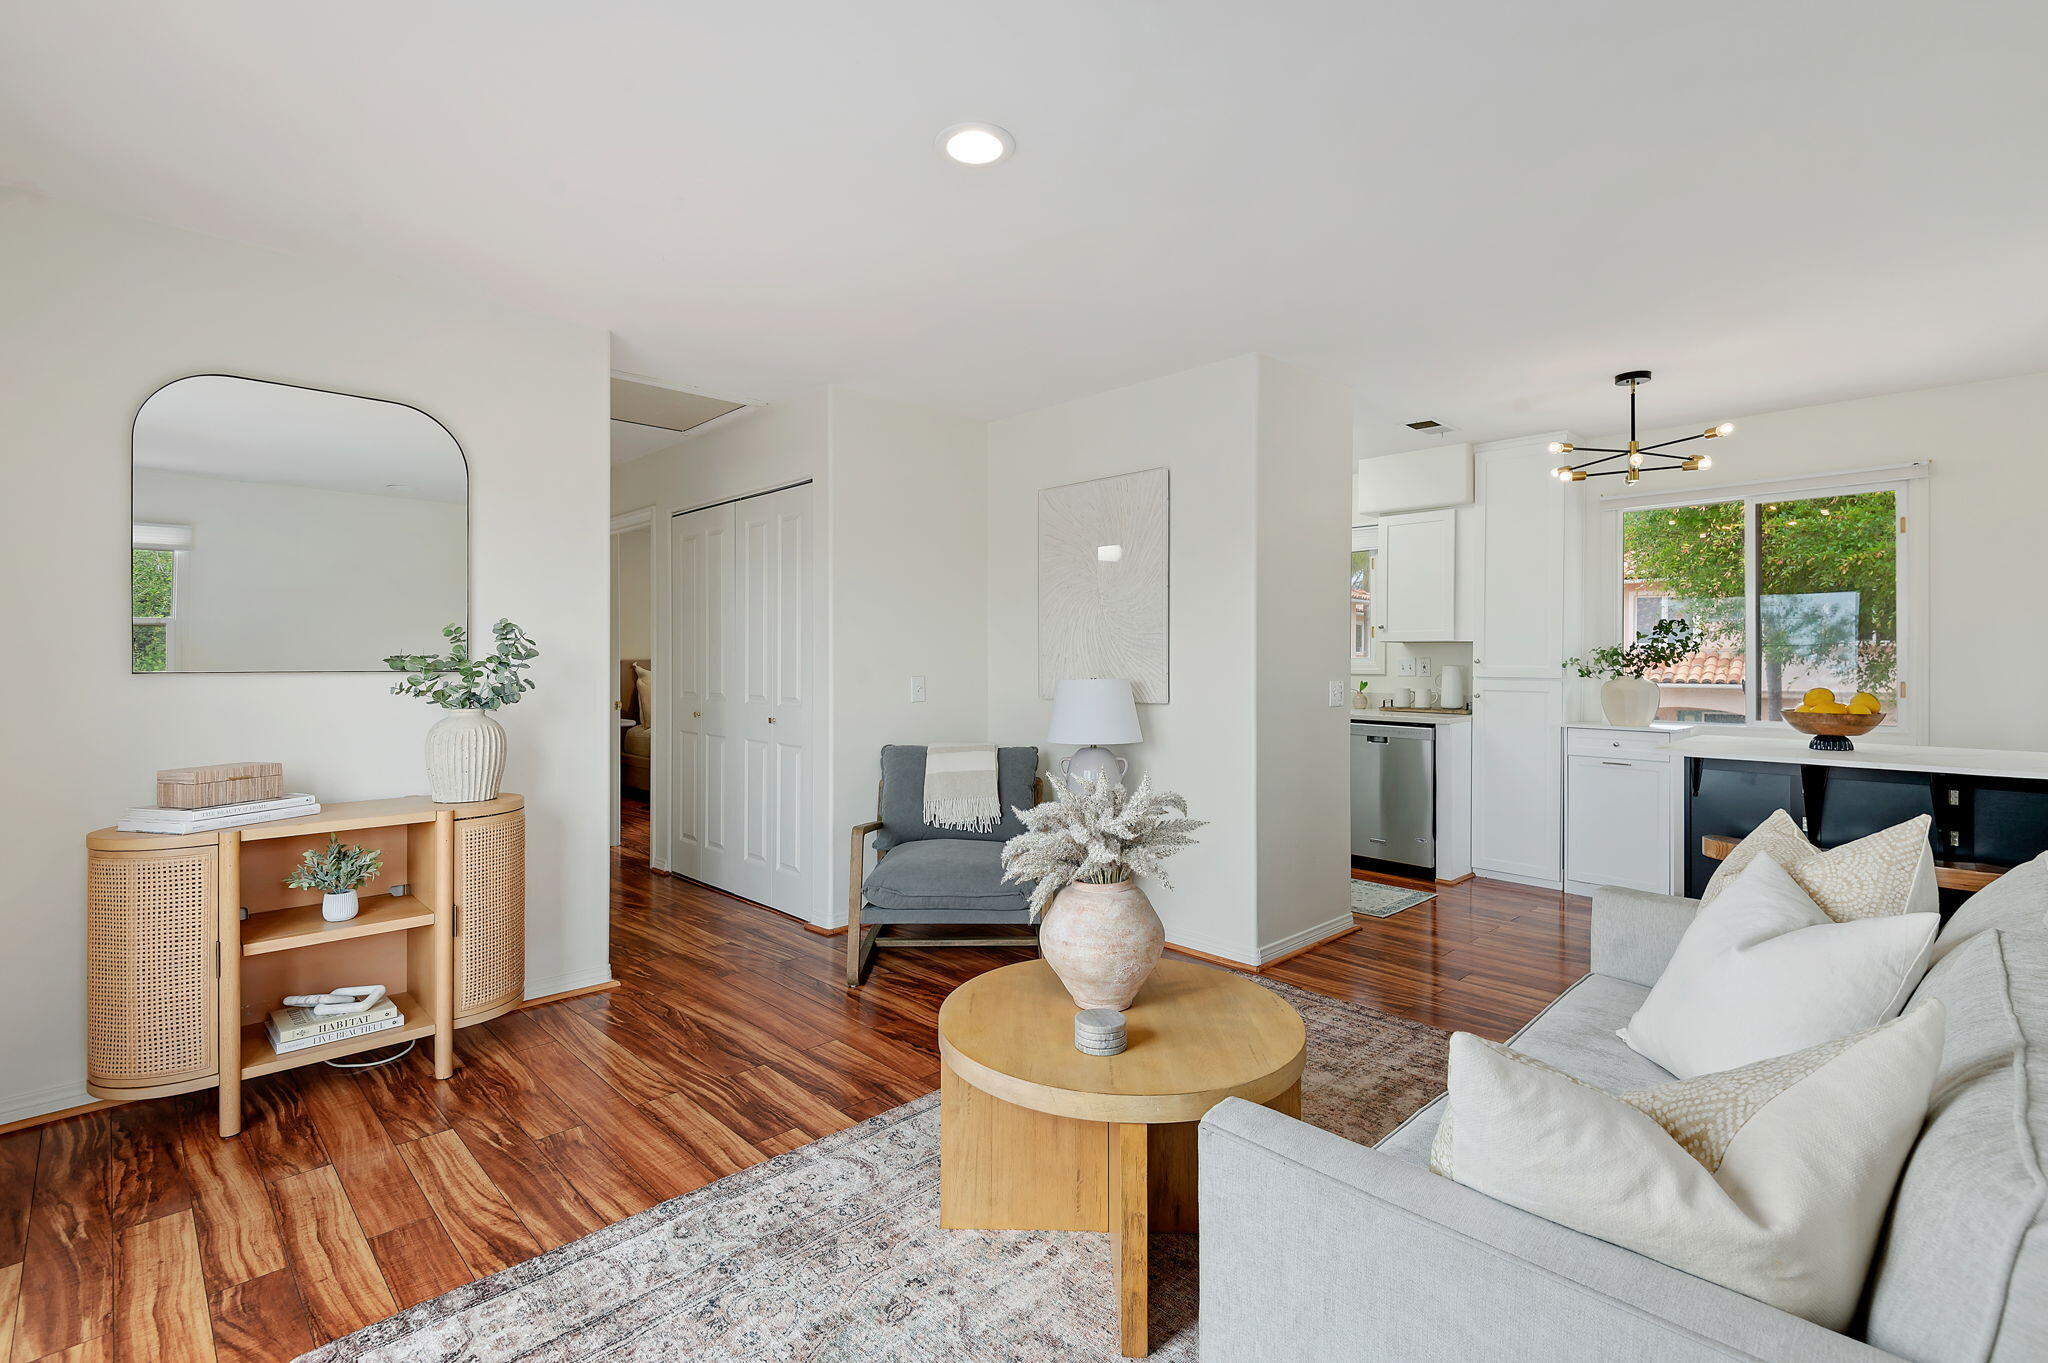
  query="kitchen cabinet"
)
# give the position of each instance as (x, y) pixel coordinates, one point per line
(1418, 569)
(1619, 828)
(1517, 795)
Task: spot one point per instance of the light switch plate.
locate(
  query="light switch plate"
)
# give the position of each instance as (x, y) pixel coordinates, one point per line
(917, 690)
(1423, 667)
(1405, 668)
(1336, 695)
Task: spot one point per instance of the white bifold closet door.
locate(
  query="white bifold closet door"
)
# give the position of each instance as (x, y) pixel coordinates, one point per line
(742, 698)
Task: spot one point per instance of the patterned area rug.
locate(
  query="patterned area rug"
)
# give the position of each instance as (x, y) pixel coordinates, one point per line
(833, 1251)
(1375, 900)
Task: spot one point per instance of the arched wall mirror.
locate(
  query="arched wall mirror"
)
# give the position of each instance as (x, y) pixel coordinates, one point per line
(285, 529)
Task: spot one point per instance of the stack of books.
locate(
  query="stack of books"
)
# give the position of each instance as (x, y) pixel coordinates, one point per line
(294, 1029)
(158, 819)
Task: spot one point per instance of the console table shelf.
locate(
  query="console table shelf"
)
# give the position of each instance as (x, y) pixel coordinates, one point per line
(285, 929)
(192, 940)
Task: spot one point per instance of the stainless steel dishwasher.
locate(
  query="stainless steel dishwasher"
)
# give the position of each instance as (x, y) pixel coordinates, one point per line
(1393, 792)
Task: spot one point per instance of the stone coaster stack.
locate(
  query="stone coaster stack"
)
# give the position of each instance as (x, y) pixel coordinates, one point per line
(1100, 1031)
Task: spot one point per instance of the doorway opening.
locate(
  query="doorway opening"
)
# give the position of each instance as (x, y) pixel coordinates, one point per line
(634, 677)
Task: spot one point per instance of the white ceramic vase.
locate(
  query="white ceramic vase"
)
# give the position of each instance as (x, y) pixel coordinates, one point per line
(338, 908)
(465, 757)
(1102, 941)
(1629, 702)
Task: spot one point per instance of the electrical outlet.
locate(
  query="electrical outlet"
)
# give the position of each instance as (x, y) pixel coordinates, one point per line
(917, 690)
(1423, 667)
(1405, 668)
(1336, 695)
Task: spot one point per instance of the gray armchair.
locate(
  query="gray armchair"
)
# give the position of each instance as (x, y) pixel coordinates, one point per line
(933, 875)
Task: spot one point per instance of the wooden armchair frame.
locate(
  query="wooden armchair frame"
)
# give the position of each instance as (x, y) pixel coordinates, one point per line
(863, 940)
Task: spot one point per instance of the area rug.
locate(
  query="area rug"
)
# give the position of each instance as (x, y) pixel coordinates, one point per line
(832, 1253)
(1375, 900)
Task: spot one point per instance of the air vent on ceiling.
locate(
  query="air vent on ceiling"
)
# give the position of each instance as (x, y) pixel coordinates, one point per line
(1425, 425)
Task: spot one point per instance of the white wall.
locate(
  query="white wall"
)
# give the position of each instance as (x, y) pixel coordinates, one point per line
(100, 313)
(1302, 561)
(908, 508)
(1232, 558)
(633, 593)
(1987, 500)
(265, 554)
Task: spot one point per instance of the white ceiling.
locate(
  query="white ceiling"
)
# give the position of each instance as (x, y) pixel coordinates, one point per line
(1473, 211)
(218, 426)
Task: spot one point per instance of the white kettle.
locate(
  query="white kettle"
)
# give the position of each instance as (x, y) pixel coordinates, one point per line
(1450, 688)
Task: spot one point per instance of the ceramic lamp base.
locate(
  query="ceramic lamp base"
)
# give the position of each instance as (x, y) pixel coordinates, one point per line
(1089, 763)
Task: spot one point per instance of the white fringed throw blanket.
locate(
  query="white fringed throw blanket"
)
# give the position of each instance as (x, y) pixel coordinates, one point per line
(960, 787)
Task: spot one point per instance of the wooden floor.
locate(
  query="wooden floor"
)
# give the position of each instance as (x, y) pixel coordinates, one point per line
(137, 1233)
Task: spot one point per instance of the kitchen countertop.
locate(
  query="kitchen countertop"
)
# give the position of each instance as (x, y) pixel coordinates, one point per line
(1881, 756)
(1377, 716)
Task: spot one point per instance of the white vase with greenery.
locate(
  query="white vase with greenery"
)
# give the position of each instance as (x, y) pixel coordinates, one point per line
(338, 872)
(1085, 849)
(466, 751)
(1628, 698)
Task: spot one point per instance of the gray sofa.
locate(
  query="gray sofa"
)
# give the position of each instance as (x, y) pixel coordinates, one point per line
(1316, 1248)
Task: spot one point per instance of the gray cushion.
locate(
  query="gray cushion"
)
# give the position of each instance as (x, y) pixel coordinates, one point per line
(2015, 903)
(944, 873)
(1576, 1034)
(903, 796)
(1963, 1270)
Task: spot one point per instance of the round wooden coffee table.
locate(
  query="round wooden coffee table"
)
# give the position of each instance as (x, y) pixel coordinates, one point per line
(1035, 1135)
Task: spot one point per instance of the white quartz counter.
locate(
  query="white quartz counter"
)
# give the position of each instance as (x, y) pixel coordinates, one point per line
(1869, 753)
(1406, 717)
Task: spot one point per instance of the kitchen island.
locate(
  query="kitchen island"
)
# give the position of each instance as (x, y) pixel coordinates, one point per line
(1989, 806)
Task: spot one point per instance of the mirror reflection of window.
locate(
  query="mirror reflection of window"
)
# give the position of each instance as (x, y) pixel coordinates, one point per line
(288, 529)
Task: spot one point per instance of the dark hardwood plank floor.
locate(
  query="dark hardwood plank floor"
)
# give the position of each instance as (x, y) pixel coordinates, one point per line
(135, 1232)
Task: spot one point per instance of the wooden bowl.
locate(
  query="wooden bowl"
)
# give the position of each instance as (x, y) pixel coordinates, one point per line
(1831, 733)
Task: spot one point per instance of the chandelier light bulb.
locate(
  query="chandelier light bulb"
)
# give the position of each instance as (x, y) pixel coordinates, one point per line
(1560, 447)
(1562, 472)
(1725, 428)
(1706, 461)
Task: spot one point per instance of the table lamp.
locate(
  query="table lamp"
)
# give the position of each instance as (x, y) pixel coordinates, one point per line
(1093, 712)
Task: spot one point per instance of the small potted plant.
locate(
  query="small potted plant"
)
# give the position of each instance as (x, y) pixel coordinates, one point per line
(466, 751)
(1628, 700)
(1085, 848)
(337, 872)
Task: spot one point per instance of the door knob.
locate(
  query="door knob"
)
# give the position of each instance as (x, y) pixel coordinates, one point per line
(696, 714)
(771, 719)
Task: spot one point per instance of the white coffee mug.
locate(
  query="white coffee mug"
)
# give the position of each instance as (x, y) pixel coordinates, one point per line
(1405, 698)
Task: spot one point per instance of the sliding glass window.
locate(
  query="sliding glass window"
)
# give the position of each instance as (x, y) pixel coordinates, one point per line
(1791, 594)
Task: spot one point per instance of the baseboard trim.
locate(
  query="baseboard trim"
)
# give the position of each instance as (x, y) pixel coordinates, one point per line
(71, 1099)
(1212, 958)
(561, 995)
(839, 931)
(1459, 880)
(1517, 878)
(1308, 939)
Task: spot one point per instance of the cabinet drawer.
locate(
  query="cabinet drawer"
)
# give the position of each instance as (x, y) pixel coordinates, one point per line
(1629, 743)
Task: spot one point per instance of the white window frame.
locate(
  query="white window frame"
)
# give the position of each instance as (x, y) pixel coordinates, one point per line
(1374, 663)
(177, 539)
(1909, 485)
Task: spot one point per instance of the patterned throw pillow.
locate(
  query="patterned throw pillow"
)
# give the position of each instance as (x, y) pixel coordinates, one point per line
(1771, 1180)
(1891, 871)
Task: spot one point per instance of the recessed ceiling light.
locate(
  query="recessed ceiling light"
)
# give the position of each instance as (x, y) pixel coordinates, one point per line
(977, 144)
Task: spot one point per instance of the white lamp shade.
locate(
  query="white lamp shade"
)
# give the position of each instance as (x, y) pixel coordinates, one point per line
(1097, 710)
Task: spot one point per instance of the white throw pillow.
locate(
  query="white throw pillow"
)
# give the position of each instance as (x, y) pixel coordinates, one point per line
(1771, 1180)
(1762, 971)
(1891, 871)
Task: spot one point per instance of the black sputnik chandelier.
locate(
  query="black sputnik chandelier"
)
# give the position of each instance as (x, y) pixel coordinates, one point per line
(1637, 454)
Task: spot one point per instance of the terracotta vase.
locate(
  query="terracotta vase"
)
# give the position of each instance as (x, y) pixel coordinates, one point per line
(465, 758)
(1629, 702)
(1102, 941)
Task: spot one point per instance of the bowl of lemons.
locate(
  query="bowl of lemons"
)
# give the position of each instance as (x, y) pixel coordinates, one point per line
(1832, 722)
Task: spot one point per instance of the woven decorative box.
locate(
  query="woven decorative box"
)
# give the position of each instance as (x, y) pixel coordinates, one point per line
(227, 783)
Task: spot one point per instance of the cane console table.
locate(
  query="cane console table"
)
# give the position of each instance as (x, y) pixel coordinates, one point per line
(192, 939)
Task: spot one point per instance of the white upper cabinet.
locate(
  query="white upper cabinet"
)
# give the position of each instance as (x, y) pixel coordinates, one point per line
(1418, 571)
(1527, 596)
